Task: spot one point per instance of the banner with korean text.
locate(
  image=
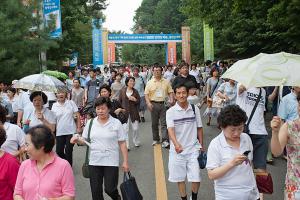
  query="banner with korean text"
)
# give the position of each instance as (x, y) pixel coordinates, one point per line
(52, 17)
(208, 42)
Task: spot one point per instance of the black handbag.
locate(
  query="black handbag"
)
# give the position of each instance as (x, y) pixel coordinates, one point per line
(246, 126)
(202, 159)
(129, 188)
(85, 166)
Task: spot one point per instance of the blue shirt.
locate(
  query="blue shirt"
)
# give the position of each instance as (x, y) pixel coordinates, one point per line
(288, 108)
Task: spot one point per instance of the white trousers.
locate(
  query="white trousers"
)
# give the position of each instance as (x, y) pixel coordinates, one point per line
(135, 132)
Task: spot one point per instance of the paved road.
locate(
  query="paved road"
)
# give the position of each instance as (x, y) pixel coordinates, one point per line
(142, 165)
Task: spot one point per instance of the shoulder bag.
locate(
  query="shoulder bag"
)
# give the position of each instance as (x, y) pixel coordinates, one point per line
(85, 166)
(246, 127)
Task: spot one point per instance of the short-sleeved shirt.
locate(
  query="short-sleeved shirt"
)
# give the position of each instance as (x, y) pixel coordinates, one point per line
(288, 108)
(116, 88)
(246, 101)
(15, 138)
(231, 92)
(185, 123)
(55, 180)
(158, 90)
(239, 182)
(104, 139)
(168, 75)
(196, 74)
(214, 85)
(140, 85)
(48, 115)
(9, 166)
(92, 87)
(65, 117)
(77, 96)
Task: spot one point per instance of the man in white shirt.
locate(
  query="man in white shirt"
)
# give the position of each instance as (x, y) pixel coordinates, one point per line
(169, 73)
(186, 136)
(246, 99)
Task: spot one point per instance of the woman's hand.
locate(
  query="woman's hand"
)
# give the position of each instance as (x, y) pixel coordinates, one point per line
(275, 124)
(117, 111)
(74, 139)
(237, 160)
(125, 167)
(40, 116)
(132, 98)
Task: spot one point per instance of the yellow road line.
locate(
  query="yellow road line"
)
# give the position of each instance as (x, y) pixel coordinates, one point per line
(161, 187)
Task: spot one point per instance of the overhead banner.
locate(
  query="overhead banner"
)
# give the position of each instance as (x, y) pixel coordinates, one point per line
(74, 59)
(208, 42)
(111, 53)
(144, 38)
(97, 42)
(172, 53)
(186, 44)
(52, 14)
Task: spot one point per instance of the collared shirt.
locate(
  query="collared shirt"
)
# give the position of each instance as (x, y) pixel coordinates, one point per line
(15, 138)
(168, 75)
(288, 108)
(55, 180)
(48, 115)
(185, 123)
(104, 139)
(239, 182)
(158, 90)
(65, 117)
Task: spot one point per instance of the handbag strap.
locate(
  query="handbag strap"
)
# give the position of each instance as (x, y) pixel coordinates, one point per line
(88, 138)
(127, 176)
(214, 88)
(254, 108)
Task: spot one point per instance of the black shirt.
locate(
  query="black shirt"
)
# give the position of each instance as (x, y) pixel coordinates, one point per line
(189, 81)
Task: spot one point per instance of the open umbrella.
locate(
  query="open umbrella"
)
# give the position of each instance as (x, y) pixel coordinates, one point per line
(56, 74)
(279, 69)
(41, 82)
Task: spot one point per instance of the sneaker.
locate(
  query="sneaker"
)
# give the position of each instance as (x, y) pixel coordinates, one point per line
(165, 144)
(154, 142)
(143, 119)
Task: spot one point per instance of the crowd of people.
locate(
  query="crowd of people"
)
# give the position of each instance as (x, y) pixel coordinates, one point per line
(101, 105)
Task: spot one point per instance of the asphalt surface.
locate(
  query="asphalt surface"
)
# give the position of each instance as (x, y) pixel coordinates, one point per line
(141, 161)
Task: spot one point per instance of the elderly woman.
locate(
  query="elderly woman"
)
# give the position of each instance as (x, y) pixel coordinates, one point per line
(44, 175)
(229, 158)
(9, 167)
(15, 137)
(65, 112)
(39, 114)
(130, 101)
(288, 135)
(106, 138)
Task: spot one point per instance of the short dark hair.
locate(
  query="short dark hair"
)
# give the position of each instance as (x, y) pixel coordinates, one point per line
(156, 65)
(136, 69)
(3, 113)
(77, 79)
(127, 80)
(177, 86)
(103, 100)
(183, 64)
(107, 87)
(41, 136)
(13, 90)
(2, 136)
(208, 62)
(118, 74)
(39, 93)
(231, 115)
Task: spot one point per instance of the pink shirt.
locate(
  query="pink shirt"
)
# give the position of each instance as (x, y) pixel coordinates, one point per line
(9, 167)
(55, 180)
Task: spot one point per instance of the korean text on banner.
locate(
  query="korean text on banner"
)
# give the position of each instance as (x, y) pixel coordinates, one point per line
(52, 14)
(97, 42)
(186, 46)
(208, 42)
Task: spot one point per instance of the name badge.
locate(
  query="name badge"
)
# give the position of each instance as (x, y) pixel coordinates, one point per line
(159, 93)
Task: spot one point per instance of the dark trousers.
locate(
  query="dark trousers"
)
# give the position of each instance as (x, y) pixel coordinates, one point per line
(159, 114)
(110, 175)
(64, 148)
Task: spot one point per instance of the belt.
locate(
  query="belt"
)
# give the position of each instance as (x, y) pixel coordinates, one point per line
(161, 102)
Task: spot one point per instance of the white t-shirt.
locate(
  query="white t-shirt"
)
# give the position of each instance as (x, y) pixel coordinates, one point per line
(104, 140)
(64, 116)
(238, 183)
(15, 138)
(48, 115)
(185, 123)
(246, 101)
(195, 73)
(168, 75)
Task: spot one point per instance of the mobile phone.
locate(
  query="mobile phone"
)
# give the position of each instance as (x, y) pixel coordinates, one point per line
(246, 153)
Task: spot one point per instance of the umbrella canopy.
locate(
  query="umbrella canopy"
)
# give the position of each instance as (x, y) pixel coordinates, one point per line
(56, 74)
(41, 82)
(266, 70)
